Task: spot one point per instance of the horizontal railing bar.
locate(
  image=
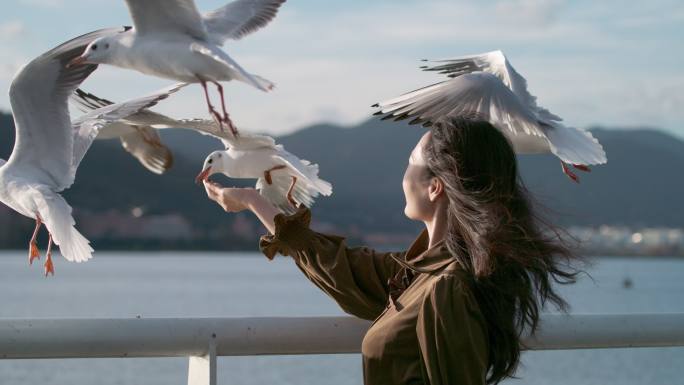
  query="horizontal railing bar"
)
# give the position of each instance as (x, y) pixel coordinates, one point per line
(597, 331)
(178, 337)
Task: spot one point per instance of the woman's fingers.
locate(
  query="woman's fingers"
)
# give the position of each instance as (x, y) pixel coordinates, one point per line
(213, 190)
(227, 198)
(209, 189)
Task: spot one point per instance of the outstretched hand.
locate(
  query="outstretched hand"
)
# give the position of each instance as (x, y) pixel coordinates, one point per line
(231, 199)
(234, 200)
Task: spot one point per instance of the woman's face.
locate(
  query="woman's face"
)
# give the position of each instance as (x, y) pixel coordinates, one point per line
(416, 185)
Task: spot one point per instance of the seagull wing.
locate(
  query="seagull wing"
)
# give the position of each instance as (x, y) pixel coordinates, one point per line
(86, 128)
(478, 94)
(305, 169)
(244, 142)
(136, 133)
(248, 142)
(483, 95)
(240, 18)
(307, 186)
(237, 72)
(39, 97)
(276, 193)
(166, 16)
(496, 63)
(145, 145)
(88, 102)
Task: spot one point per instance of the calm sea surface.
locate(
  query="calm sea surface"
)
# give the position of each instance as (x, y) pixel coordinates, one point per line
(244, 284)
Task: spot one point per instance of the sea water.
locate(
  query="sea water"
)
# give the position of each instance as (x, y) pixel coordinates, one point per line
(187, 284)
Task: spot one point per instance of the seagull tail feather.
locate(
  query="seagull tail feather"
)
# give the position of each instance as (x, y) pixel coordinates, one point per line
(56, 214)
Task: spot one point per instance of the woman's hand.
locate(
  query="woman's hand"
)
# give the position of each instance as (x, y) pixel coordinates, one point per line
(232, 200)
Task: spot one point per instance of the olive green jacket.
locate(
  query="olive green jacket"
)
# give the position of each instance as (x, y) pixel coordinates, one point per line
(427, 329)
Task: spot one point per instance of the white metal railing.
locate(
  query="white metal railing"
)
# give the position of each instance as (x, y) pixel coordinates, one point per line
(203, 339)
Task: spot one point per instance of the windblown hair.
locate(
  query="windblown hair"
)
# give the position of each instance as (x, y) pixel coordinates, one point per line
(512, 257)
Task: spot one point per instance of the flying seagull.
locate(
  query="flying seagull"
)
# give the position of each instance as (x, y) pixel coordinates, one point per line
(172, 40)
(49, 146)
(488, 86)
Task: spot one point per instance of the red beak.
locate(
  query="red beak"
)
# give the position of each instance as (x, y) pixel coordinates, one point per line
(204, 175)
(77, 61)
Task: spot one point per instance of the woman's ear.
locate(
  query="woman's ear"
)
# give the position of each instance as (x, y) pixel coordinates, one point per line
(435, 189)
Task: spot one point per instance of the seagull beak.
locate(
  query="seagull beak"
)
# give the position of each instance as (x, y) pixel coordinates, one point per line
(78, 60)
(204, 175)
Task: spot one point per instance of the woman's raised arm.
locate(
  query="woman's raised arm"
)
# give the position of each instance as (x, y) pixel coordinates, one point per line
(356, 278)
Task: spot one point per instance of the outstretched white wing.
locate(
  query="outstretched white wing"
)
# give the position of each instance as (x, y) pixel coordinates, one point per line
(240, 18)
(88, 126)
(483, 95)
(39, 97)
(166, 17)
(478, 94)
(88, 102)
(494, 62)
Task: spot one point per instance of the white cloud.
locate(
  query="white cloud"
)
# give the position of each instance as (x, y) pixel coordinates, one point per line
(529, 12)
(11, 29)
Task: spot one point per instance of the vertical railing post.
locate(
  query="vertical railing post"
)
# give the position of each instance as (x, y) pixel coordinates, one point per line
(202, 369)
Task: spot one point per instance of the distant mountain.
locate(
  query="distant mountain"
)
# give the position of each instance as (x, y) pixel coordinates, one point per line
(640, 186)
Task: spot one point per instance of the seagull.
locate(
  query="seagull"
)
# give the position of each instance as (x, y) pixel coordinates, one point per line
(139, 132)
(487, 86)
(172, 40)
(49, 147)
(282, 178)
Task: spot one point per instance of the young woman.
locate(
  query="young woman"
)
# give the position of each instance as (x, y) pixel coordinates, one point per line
(450, 309)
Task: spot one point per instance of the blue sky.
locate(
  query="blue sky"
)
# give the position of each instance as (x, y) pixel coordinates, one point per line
(608, 63)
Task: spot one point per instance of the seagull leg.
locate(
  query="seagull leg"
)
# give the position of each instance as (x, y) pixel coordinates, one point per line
(582, 167)
(49, 267)
(226, 117)
(289, 192)
(569, 173)
(33, 247)
(267, 173)
(212, 110)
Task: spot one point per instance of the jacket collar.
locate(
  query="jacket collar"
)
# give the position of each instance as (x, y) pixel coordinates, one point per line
(422, 259)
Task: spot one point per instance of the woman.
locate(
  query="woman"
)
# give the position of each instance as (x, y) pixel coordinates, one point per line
(449, 310)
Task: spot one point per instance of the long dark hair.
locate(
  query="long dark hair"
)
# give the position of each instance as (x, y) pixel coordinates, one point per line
(512, 257)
